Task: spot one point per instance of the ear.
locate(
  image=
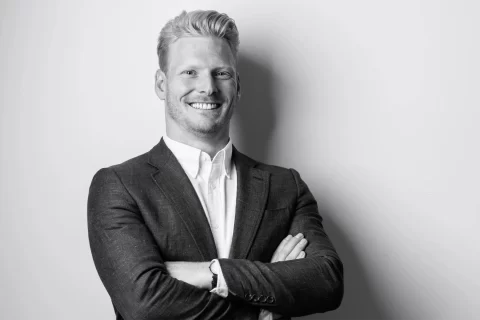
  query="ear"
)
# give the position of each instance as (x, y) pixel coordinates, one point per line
(238, 86)
(160, 84)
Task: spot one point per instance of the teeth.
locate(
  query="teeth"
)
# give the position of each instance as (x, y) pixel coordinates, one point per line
(204, 106)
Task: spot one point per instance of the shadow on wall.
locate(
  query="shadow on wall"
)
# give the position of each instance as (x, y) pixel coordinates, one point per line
(359, 301)
(252, 127)
(254, 119)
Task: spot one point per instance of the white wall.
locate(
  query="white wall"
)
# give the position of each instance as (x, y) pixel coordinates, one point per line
(376, 103)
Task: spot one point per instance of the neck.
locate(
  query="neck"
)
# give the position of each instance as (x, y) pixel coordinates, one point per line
(208, 143)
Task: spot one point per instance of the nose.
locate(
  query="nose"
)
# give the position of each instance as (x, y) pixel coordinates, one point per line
(207, 85)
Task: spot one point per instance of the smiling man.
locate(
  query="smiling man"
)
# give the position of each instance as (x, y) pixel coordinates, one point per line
(194, 229)
(200, 86)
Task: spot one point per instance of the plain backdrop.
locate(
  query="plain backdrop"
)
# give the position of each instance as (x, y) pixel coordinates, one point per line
(375, 103)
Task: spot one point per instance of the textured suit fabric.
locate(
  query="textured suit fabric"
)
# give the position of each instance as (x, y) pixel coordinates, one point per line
(145, 211)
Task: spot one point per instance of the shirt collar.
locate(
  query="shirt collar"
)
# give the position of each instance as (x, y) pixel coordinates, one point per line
(190, 158)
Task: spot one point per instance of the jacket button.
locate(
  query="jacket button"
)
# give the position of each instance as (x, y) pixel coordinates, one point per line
(248, 296)
(270, 299)
(262, 299)
(255, 298)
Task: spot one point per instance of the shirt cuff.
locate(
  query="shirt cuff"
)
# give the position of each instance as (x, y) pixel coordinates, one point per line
(265, 315)
(222, 288)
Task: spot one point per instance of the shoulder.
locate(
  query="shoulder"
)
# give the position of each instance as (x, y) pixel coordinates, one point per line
(134, 164)
(131, 170)
(273, 169)
(275, 172)
(270, 168)
(282, 175)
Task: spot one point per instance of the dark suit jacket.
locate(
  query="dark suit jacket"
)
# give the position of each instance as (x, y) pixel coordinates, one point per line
(145, 211)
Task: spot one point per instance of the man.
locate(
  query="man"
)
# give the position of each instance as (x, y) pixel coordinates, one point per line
(193, 229)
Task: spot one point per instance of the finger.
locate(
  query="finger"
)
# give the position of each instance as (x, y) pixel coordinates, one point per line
(289, 246)
(297, 249)
(283, 243)
(301, 255)
(280, 248)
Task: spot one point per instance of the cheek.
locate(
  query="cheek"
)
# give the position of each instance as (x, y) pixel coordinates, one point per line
(228, 88)
(181, 88)
(187, 84)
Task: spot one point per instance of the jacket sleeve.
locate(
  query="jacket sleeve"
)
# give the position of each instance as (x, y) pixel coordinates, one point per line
(297, 287)
(130, 263)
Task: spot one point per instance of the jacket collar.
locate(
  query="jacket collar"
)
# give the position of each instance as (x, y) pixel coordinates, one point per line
(193, 160)
(160, 155)
(252, 194)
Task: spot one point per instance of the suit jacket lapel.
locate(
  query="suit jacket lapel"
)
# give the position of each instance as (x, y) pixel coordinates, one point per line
(252, 193)
(175, 185)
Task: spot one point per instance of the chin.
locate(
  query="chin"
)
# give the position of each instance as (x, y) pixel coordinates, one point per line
(207, 129)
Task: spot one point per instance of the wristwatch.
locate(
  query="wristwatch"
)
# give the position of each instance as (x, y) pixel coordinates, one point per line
(214, 266)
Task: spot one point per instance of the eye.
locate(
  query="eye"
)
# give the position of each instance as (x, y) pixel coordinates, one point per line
(189, 72)
(223, 75)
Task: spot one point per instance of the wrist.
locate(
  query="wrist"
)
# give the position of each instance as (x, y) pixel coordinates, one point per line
(205, 276)
(219, 286)
(214, 266)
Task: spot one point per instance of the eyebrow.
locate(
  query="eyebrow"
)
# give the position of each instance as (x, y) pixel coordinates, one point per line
(225, 68)
(192, 66)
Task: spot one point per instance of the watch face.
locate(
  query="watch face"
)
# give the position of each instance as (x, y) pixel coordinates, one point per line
(214, 266)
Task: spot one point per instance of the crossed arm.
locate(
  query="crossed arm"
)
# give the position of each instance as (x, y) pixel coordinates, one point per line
(298, 287)
(143, 286)
(199, 275)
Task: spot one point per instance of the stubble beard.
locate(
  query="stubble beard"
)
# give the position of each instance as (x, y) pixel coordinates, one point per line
(178, 116)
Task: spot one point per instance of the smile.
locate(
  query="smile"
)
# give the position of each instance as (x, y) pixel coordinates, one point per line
(205, 106)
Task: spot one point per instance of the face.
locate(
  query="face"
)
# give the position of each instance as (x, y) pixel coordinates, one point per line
(200, 87)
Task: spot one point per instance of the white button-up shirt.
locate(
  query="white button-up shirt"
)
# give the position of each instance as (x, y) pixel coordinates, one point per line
(215, 182)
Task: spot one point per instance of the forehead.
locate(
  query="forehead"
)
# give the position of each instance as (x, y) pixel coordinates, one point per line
(201, 52)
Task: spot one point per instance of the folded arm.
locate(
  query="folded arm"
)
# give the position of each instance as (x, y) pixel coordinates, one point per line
(130, 263)
(199, 274)
(297, 287)
(285, 286)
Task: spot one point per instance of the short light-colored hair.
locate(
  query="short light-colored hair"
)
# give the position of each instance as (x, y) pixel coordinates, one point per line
(197, 23)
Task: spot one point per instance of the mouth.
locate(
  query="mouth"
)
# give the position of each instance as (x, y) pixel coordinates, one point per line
(204, 106)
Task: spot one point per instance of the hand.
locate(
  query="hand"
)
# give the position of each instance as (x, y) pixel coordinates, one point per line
(290, 248)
